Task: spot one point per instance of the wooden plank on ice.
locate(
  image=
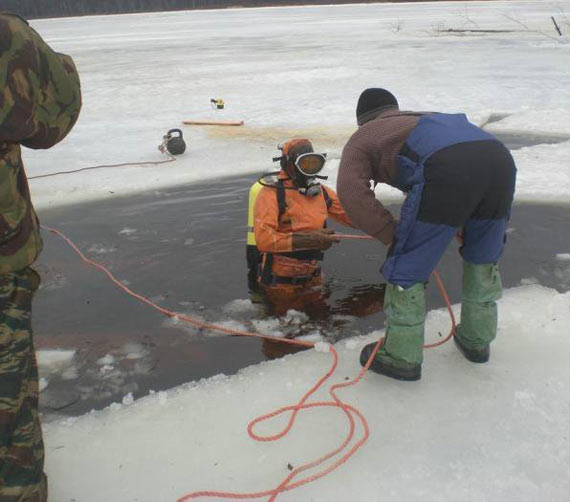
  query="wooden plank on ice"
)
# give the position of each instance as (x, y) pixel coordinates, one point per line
(214, 122)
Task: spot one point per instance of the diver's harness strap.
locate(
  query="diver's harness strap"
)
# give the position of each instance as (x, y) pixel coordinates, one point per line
(282, 203)
(267, 277)
(295, 281)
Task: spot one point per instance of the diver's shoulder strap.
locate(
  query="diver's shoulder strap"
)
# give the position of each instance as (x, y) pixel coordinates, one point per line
(281, 202)
(328, 200)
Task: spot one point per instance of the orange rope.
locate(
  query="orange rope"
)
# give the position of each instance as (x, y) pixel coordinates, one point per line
(353, 236)
(351, 412)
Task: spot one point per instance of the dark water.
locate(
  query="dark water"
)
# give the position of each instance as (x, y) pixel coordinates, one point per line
(185, 249)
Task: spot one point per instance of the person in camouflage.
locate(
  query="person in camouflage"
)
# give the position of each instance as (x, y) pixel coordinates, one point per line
(40, 100)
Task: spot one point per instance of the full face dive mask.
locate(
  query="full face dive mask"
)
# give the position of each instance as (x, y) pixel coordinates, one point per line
(303, 167)
(307, 167)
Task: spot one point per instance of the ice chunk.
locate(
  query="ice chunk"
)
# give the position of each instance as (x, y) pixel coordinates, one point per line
(43, 383)
(128, 399)
(322, 347)
(313, 336)
(239, 305)
(100, 249)
(295, 317)
(52, 362)
(267, 326)
(134, 350)
(235, 325)
(106, 360)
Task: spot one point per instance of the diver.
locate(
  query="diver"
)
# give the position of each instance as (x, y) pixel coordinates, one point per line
(287, 231)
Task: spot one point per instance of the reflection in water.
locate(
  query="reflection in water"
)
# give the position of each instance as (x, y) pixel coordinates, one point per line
(274, 349)
(362, 301)
(315, 303)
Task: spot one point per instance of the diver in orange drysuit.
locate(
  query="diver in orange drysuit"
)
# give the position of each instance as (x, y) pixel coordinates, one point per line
(290, 216)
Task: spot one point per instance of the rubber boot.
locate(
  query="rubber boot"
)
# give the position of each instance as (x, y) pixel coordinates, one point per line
(401, 354)
(478, 327)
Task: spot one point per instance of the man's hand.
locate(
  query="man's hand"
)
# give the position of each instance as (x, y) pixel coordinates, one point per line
(459, 236)
(317, 239)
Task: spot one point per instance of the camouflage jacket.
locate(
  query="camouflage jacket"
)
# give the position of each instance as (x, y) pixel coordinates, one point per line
(40, 99)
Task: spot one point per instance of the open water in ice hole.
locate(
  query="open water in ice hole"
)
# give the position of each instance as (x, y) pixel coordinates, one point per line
(184, 248)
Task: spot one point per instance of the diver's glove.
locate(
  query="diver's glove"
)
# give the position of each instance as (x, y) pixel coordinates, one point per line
(317, 239)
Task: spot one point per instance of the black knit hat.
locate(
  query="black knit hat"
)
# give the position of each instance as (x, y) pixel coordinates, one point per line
(371, 102)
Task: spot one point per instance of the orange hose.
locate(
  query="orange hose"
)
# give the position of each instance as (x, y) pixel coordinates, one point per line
(350, 411)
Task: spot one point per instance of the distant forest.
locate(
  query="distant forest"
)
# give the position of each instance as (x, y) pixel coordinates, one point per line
(31, 9)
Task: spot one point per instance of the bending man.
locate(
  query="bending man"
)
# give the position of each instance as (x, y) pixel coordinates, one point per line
(458, 180)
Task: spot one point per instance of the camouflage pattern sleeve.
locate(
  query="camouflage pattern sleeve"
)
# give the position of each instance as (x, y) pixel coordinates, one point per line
(40, 96)
(40, 100)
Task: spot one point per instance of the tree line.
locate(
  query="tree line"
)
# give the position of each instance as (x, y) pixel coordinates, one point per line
(31, 9)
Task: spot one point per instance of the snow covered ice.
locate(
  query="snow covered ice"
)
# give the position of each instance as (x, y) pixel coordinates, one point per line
(465, 432)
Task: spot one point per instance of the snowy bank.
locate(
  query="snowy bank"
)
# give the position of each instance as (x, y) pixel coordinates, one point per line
(299, 73)
(465, 432)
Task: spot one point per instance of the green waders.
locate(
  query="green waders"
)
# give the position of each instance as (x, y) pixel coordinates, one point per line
(481, 288)
(405, 316)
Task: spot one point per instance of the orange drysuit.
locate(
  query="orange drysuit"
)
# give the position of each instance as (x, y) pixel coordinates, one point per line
(273, 235)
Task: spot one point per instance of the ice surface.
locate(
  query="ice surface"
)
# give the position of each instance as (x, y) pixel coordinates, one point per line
(143, 74)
